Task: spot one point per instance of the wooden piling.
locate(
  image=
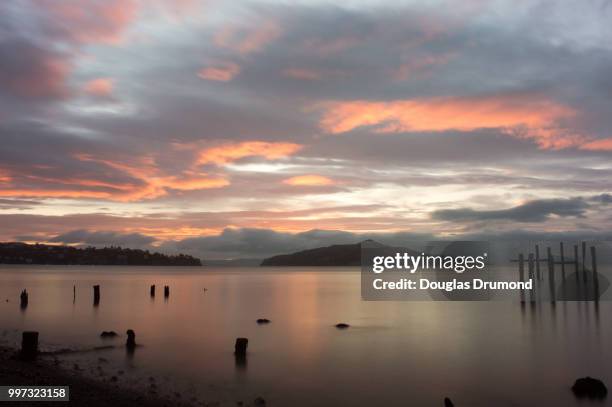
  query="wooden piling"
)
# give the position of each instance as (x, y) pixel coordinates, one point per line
(562, 254)
(551, 274)
(24, 299)
(584, 272)
(96, 290)
(166, 291)
(29, 345)
(73, 294)
(594, 267)
(577, 269)
(152, 290)
(521, 263)
(130, 344)
(537, 260)
(530, 265)
(240, 348)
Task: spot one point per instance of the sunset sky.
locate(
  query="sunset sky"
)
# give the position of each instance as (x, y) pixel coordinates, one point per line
(247, 128)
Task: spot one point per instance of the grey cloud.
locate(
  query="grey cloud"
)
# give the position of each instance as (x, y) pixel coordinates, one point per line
(99, 238)
(533, 211)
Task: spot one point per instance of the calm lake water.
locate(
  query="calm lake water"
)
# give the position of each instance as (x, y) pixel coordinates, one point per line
(394, 354)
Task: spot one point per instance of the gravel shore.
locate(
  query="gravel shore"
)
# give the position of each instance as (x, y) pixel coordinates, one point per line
(83, 391)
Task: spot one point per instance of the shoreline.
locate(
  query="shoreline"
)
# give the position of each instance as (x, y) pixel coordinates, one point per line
(46, 371)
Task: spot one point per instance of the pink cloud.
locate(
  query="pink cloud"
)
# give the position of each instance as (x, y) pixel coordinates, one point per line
(100, 87)
(598, 145)
(223, 72)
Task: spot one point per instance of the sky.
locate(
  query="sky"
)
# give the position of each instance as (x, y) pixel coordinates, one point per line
(250, 128)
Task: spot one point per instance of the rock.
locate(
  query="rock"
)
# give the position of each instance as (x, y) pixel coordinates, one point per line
(108, 334)
(342, 325)
(448, 402)
(259, 402)
(263, 321)
(590, 388)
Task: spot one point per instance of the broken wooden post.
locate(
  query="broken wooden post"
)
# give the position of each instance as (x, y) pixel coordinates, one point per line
(530, 265)
(551, 274)
(130, 344)
(152, 290)
(584, 272)
(29, 345)
(96, 289)
(537, 260)
(24, 299)
(240, 349)
(73, 294)
(521, 262)
(594, 266)
(166, 291)
(562, 254)
(577, 269)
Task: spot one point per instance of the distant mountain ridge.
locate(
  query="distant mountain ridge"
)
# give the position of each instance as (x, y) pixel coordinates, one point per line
(23, 253)
(335, 255)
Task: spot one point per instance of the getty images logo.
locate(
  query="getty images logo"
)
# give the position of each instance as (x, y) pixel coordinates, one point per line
(413, 263)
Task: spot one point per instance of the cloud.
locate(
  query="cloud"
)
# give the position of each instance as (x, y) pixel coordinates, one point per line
(103, 238)
(100, 87)
(604, 144)
(230, 152)
(533, 211)
(29, 71)
(17, 204)
(536, 115)
(308, 180)
(222, 72)
(94, 21)
(247, 39)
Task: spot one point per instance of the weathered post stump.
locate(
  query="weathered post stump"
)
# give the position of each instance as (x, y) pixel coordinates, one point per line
(152, 290)
(29, 345)
(24, 299)
(448, 402)
(96, 294)
(166, 291)
(240, 349)
(130, 344)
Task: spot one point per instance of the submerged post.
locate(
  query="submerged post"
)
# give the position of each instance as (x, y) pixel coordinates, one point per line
(152, 290)
(96, 289)
(29, 345)
(537, 260)
(577, 269)
(24, 299)
(73, 294)
(594, 266)
(562, 254)
(530, 265)
(551, 273)
(521, 263)
(584, 273)
(130, 344)
(240, 348)
(166, 291)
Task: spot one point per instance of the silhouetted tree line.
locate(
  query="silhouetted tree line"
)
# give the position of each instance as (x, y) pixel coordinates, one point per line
(21, 253)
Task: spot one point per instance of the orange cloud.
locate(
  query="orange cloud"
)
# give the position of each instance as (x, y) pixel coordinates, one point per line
(245, 40)
(308, 180)
(598, 145)
(536, 116)
(100, 87)
(231, 152)
(222, 72)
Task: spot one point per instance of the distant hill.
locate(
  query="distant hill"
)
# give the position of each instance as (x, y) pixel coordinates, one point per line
(232, 263)
(336, 255)
(21, 253)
